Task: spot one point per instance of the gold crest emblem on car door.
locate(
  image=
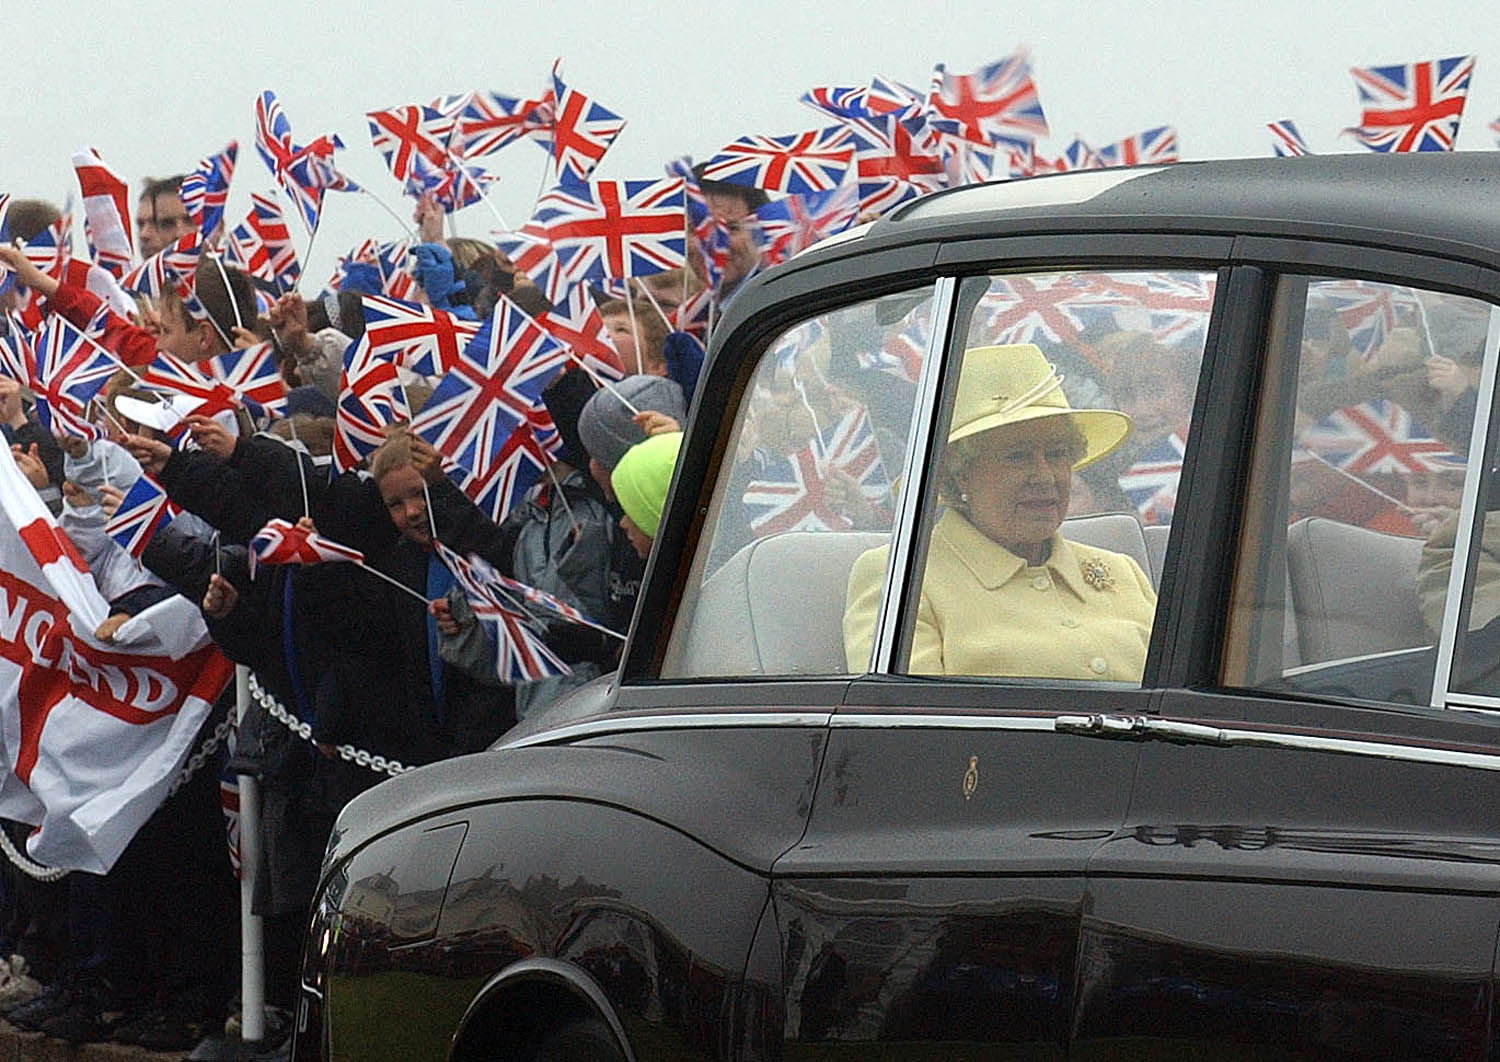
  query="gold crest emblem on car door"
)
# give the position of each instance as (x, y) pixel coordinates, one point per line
(971, 777)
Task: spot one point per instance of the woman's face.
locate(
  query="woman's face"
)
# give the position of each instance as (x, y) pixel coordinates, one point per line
(1018, 483)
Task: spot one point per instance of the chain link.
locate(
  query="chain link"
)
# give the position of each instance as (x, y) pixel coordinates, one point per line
(274, 708)
(27, 867)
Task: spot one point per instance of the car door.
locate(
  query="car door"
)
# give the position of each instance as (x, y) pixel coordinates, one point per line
(1310, 864)
(935, 900)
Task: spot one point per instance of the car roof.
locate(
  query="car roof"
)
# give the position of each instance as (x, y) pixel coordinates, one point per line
(1437, 202)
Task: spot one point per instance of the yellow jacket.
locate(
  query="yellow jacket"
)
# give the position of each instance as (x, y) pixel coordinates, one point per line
(1085, 614)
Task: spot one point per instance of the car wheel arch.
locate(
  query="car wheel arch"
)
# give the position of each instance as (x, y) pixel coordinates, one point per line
(529, 998)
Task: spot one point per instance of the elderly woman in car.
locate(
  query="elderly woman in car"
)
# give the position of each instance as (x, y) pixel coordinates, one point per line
(1003, 593)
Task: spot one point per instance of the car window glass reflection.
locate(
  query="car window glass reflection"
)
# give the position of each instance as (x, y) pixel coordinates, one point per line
(1057, 482)
(807, 485)
(1361, 514)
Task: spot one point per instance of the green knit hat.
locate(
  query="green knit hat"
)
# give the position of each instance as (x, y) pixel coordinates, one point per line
(642, 477)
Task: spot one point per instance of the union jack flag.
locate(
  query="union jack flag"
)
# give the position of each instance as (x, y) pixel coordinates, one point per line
(390, 262)
(17, 351)
(205, 190)
(1077, 156)
(790, 494)
(1058, 307)
(1368, 310)
(490, 390)
(169, 269)
(426, 340)
(305, 171)
(1151, 482)
(575, 323)
(261, 245)
(251, 375)
(515, 468)
(490, 121)
(403, 134)
(166, 373)
(1285, 140)
(1412, 106)
(283, 542)
(894, 165)
(1153, 146)
(455, 186)
(1177, 304)
(796, 222)
(843, 102)
(964, 161)
(531, 252)
(144, 508)
(1373, 437)
(521, 654)
(707, 231)
(371, 399)
(999, 100)
(582, 131)
(903, 347)
(890, 97)
(70, 370)
(49, 249)
(106, 210)
(814, 161)
(602, 229)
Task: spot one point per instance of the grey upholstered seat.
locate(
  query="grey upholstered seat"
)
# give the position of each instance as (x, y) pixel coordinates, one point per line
(777, 606)
(1353, 590)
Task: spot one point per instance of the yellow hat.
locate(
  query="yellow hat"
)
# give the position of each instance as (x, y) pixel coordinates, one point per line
(1011, 384)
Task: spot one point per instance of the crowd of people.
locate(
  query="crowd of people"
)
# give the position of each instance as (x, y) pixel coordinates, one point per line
(400, 665)
(397, 666)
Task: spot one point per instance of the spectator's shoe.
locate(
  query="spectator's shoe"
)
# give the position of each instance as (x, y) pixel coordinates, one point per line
(178, 1026)
(90, 1014)
(16, 985)
(51, 999)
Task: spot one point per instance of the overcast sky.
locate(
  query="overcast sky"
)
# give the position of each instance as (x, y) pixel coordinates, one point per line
(164, 82)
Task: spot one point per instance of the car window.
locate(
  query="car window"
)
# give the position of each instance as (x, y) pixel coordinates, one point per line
(806, 486)
(1360, 465)
(1065, 415)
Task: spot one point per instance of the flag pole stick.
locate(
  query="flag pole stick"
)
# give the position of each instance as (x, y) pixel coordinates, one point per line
(562, 497)
(398, 584)
(252, 940)
(646, 291)
(410, 232)
(301, 473)
(604, 382)
(1355, 479)
(635, 333)
(484, 195)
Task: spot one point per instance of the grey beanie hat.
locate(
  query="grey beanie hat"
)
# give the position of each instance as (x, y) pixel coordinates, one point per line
(608, 428)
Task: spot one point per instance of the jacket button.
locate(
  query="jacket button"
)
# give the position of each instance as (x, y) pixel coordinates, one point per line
(1098, 666)
(1070, 623)
(1041, 582)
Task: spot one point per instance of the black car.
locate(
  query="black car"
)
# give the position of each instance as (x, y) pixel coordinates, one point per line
(1271, 834)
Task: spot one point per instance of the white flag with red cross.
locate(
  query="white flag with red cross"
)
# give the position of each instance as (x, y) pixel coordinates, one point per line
(94, 733)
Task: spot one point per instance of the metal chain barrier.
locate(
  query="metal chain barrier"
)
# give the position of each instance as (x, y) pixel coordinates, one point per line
(274, 708)
(27, 867)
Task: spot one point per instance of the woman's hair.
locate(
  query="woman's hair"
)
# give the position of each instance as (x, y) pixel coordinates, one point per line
(960, 453)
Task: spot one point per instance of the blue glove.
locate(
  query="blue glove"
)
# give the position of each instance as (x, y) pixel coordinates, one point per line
(434, 272)
(684, 357)
(364, 278)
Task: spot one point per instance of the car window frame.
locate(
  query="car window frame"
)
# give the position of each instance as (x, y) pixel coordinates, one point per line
(1289, 264)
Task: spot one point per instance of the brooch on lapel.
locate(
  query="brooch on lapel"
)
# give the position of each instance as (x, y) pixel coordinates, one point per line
(1096, 574)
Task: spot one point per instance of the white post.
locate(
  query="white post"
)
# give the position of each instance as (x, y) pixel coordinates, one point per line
(252, 945)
